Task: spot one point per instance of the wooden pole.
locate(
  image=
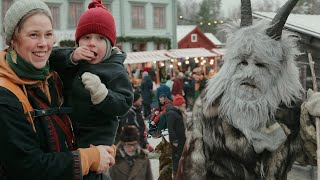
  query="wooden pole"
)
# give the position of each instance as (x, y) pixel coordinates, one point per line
(315, 89)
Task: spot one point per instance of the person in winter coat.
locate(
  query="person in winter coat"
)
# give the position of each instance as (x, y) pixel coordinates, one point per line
(146, 93)
(177, 87)
(131, 162)
(163, 89)
(101, 89)
(134, 118)
(159, 118)
(176, 118)
(36, 133)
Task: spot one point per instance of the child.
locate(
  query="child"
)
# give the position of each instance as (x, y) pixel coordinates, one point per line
(101, 89)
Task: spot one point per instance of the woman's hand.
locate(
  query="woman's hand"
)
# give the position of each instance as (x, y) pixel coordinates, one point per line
(106, 159)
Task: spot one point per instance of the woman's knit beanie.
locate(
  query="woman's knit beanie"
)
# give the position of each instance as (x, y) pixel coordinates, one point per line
(16, 12)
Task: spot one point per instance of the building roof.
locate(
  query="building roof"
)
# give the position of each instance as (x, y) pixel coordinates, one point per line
(146, 56)
(213, 39)
(190, 52)
(184, 30)
(303, 23)
(163, 55)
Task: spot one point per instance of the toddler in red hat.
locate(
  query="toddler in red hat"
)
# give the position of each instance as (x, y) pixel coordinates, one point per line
(100, 88)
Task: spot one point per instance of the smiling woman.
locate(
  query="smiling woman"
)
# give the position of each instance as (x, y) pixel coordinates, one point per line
(33, 125)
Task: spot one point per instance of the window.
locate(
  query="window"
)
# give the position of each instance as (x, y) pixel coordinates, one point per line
(75, 11)
(138, 16)
(135, 47)
(55, 10)
(108, 6)
(160, 46)
(159, 17)
(5, 6)
(194, 38)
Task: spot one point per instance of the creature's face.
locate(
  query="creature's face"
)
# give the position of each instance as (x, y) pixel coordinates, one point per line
(252, 78)
(256, 65)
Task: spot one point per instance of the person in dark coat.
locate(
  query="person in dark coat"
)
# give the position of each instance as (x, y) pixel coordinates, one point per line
(146, 93)
(132, 162)
(134, 118)
(163, 89)
(36, 134)
(175, 122)
(188, 88)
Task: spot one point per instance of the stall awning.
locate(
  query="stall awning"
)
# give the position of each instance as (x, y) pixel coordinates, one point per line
(220, 51)
(146, 56)
(190, 52)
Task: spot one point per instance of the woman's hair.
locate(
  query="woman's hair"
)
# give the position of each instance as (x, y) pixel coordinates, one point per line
(26, 16)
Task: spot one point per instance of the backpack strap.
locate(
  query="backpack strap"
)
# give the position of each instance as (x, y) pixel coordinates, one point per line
(16, 90)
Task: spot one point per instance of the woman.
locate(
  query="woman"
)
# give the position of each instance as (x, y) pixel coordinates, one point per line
(38, 144)
(176, 120)
(131, 161)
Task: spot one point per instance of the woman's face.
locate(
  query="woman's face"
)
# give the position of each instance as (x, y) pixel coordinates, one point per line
(34, 40)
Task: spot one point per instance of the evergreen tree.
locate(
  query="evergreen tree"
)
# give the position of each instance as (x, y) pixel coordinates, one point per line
(208, 15)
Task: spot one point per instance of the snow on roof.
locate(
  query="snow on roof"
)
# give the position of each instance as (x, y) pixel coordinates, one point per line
(190, 52)
(213, 39)
(303, 23)
(184, 30)
(146, 56)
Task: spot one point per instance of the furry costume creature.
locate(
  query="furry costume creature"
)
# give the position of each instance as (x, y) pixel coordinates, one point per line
(246, 123)
(165, 166)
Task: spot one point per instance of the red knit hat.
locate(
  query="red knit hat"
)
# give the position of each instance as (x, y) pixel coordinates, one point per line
(97, 19)
(178, 100)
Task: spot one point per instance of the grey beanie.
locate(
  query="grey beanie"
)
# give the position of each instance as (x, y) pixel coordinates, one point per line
(16, 12)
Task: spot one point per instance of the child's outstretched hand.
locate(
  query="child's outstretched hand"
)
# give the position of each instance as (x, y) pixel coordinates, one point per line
(82, 53)
(93, 84)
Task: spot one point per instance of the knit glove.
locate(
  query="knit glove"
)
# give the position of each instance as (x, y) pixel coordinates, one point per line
(92, 83)
(313, 103)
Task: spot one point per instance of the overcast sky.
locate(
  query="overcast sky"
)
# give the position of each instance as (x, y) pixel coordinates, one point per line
(228, 5)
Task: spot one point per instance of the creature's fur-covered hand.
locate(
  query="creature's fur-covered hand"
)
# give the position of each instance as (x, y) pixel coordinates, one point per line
(313, 103)
(92, 83)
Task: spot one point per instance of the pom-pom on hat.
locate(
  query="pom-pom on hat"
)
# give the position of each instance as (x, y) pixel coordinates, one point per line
(17, 11)
(129, 134)
(97, 19)
(178, 100)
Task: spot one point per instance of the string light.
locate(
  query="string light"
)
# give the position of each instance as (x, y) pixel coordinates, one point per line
(172, 60)
(179, 63)
(154, 62)
(162, 64)
(187, 62)
(171, 66)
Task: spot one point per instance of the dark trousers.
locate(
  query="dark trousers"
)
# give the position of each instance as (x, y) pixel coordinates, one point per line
(146, 109)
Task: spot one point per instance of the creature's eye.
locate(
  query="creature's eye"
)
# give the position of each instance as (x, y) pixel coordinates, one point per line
(244, 63)
(260, 65)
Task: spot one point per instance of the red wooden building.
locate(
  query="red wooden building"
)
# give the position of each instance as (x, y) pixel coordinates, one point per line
(190, 36)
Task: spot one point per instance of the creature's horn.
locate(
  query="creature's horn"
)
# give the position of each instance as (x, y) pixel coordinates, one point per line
(278, 22)
(246, 13)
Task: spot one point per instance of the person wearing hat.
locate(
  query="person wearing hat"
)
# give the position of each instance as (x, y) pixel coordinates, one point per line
(131, 161)
(176, 119)
(37, 140)
(134, 118)
(101, 89)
